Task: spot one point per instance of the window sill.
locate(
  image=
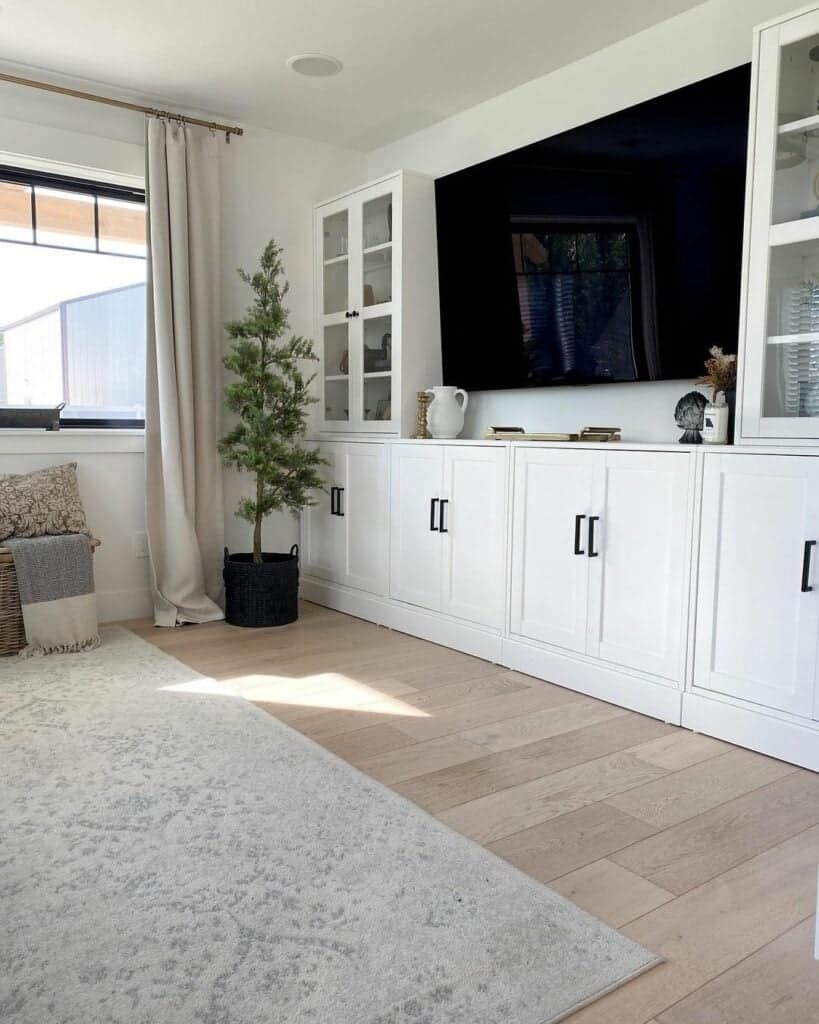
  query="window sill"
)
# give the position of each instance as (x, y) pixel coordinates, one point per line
(73, 440)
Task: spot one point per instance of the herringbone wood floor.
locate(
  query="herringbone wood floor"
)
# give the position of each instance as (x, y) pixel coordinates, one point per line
(704, 852)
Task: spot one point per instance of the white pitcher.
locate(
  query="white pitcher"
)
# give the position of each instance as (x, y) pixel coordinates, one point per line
(445, 417)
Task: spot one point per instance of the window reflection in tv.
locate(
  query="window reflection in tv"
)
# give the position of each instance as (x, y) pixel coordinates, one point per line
(576, 293)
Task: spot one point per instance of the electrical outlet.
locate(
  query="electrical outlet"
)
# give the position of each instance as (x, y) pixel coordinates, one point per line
(139, 545)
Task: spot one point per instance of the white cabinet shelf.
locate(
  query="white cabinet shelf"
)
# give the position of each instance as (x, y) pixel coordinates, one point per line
(377, 325)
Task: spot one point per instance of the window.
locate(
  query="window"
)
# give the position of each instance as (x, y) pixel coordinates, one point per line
(72, 297)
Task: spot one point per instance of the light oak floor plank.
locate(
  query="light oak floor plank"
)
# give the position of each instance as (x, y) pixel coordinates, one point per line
(407, 762)
(724, 895)
(539, 725)
(363, 743)
(697, 789)
(501, 814)
(686, 855)
(681, 749)
(571, 840)
(493, 709)
(610, 892)
(441, 790)
(779, 984)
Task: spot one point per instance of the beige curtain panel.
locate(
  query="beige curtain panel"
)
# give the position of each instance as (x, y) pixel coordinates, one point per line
(184, 504)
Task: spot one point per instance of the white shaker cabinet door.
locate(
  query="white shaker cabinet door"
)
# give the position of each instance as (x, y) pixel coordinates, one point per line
(365, 511)
(416, 486)
(639, 561)
(758, 597)
(550, 564)
(473, 532)
(322, 527)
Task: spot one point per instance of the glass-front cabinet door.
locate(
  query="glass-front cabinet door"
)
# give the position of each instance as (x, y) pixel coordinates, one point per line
(781, 373)
(357, 282)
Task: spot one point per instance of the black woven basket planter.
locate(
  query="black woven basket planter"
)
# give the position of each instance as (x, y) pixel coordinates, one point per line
(262, 593)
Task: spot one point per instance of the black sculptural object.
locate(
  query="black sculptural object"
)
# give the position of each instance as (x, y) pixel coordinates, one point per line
(690, 414)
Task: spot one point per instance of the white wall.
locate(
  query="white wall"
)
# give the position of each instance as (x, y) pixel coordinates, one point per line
(703, 41)
(269, 184)
(113, 494)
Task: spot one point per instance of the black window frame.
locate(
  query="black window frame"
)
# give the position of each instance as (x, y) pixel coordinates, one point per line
(83, 186)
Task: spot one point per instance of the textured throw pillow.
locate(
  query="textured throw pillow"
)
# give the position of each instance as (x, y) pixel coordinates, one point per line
(45, 501)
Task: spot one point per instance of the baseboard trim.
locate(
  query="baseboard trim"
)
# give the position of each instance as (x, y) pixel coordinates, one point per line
(787, 740)
(404, 618)
(117, 605)
(595, 679)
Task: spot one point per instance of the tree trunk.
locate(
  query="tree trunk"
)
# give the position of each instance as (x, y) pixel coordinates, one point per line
(257, 528)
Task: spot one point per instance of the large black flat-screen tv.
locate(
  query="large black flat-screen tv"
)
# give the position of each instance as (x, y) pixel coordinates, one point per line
(611, 252)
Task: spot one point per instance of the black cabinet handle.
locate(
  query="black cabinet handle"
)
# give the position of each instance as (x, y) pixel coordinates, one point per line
(809, 545)
(578, 524)
(441, 527)
(433, 502)
(348, 314)
(339, 509)
(333, 498)
(592, 521)
(355, 312)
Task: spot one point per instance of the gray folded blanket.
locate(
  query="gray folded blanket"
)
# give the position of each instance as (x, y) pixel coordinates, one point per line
(55, 577)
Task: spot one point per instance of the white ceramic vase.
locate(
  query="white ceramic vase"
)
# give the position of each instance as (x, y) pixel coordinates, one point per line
(715, 423)
(445, 417)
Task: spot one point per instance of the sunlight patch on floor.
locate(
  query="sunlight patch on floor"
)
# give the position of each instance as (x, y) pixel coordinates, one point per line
(329, 691)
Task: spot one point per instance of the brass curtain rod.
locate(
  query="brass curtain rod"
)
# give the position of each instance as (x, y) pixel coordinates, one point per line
(124, 104)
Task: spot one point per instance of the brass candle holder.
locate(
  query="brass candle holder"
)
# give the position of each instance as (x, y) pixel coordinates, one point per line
(421, 429)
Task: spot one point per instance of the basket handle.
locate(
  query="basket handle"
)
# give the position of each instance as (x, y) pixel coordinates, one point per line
(226, 556)
(294, 551)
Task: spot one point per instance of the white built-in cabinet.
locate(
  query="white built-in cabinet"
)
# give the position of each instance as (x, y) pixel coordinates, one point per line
(377, 324)
(758, 602)
(345, 533)
(677, 582)
(600, 543)
(779, 345)
(448, 529)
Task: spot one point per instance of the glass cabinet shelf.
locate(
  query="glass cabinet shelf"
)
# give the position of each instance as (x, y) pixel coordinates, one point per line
(334, 259)
(809, 338)
(805, 125)
(792, 232)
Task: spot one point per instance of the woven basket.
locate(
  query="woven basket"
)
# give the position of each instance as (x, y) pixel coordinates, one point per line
(261, 593)
(12, 631)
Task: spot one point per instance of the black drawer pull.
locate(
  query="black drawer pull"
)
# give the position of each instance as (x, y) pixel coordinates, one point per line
(809, 545)
(592, 521)
(333, 492)
(578, 525)
(444, 506)
(339, 509)
(432, 504)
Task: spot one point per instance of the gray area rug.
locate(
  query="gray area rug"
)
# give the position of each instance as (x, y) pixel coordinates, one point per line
(179, 857)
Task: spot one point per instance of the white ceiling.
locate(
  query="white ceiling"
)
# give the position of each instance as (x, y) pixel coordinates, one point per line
(406, 64)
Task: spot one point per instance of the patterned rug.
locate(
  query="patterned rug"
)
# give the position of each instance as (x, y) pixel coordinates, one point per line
(171, 855)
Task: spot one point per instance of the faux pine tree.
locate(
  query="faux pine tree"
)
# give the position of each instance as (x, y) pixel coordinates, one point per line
(270, 395)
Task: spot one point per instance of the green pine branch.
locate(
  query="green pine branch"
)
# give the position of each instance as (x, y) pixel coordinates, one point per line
(270, 396)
